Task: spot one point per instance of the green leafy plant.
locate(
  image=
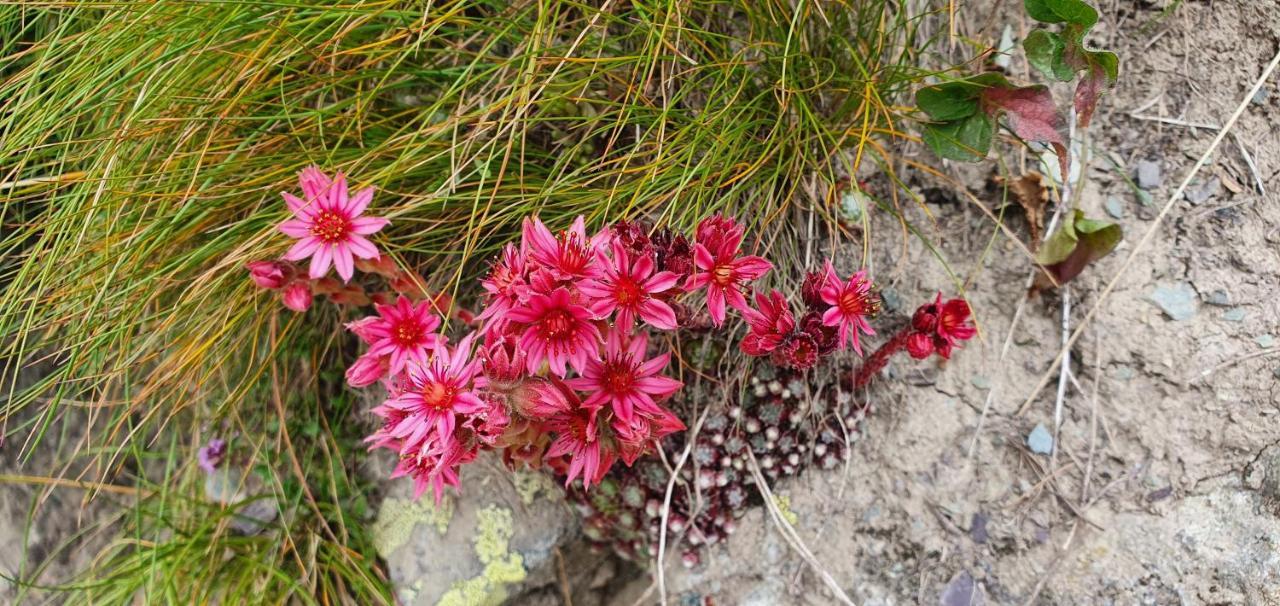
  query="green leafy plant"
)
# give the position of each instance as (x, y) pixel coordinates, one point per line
(965, 113)
(1079, 242)
(1061, 55)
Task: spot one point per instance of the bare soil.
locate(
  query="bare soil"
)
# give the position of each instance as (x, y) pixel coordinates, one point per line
(1163, 489)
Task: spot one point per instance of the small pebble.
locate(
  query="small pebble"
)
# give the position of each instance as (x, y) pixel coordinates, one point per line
(1145, 198)
(1115, 207)
(1178, 300)
(1039, 440)
(1260, 97)
(1203, 192)
(1147, 174)
(978, 530)
(1157, 495)
(892, 302)
(1265, 341)
(1233, 315)
(1220, 298)
(1124, 373)
(981, 382)
(962, 591)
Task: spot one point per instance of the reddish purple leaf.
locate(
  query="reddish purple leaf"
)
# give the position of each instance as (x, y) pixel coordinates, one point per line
(1087, 93)
(1032, 116)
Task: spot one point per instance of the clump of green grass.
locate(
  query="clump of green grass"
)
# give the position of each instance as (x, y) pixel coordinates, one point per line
(143, 146)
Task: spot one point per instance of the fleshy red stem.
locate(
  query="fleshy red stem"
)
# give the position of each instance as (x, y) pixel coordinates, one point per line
(877, 361)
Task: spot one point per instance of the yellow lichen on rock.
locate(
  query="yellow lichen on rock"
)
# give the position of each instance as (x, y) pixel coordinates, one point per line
(397, 517)
(531, 484)
(784, 507)
(501, 566)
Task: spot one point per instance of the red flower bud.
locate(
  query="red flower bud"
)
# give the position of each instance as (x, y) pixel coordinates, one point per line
(297, 296)
(268, 274)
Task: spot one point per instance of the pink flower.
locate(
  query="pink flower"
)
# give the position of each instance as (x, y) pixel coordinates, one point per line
(437, 393)
(363, 328)
(718, 267)
(268, 274)
(433, 464)
(628, 289)
(625, 379)
(769, 326)
(210, 456)
(503, 363)
(297, 296)
(577, 436)
(851, 304)
(328, 224)
(404, 332)
(489, 423)
(506, 286)
(367, 370)
(571, 255)
(558, 331)
(638, 436)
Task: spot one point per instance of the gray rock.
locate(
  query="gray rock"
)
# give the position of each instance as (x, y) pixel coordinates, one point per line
(981, 382)
(1203, 192)
(962, 590)
(1261, 96)
(1235, 314)
(496, 538)
(1265, 341)
(1178, 300)
(1220, 298)
(1115, 207)
(892, 301)
(978, 529)
(1147, 174)
(1040, 441)
(1145, 198)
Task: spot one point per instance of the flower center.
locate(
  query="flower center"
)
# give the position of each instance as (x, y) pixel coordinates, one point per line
(628, 292)
(723, 275)
(439, 396)
(577, 425)
(408, 333)
(330, 227)
(852, 303)
(573, 253)
(618, 376)
(557, 325)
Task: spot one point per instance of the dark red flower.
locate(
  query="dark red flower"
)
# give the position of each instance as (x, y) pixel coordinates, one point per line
(672, 252)
(811, 290)
(800, 352)
(943, 324)
(826, 337)
(634, 237)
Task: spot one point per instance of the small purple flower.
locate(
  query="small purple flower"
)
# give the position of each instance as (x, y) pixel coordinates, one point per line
(211, 455)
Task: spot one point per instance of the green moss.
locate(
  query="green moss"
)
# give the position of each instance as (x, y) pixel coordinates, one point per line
(397, 517)
(501, 566)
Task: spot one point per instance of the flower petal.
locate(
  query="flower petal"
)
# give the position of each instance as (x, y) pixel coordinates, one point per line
(359, 202)
(658, 314)
(320, 261)
(361, 247)
(343, 261)
(368, 225)
(303, 248)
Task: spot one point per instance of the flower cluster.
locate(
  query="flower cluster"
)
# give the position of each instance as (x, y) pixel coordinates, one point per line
(561, 369)
(564, 374)
(837, 311)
